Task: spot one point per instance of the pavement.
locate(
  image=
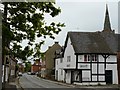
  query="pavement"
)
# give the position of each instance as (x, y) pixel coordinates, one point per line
(85, 86)
(110, 87)
(13, 85)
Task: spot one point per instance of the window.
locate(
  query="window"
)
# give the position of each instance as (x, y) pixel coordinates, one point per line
(91, 57)
(85, 57)
(88, 57)
(96, 57)
(68, 58)
(61, 72)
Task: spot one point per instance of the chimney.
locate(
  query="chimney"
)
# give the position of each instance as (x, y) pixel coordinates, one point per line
(49, 47)
(56, 42)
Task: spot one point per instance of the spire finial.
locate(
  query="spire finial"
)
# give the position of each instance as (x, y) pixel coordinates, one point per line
(107, 25)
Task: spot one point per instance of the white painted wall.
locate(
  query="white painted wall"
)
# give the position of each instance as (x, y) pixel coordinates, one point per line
(69, 51)
(86, 75)
(59, 68)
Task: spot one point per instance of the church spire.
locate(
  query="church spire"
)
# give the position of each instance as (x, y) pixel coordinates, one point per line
(107, 25)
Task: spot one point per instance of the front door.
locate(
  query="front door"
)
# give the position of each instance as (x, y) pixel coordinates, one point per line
(76, 76)
(72, 77)
(56, 74)
(108, 76)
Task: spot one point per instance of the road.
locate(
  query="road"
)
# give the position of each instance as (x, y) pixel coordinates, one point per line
(30, 82)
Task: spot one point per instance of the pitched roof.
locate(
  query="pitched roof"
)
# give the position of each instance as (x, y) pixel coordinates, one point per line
(93, 42)
(105, 42)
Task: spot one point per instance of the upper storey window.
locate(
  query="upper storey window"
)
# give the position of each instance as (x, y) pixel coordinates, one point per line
(68, 58)
(91, 57)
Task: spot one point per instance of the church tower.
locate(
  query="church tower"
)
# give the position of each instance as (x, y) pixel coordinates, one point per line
(107, 25)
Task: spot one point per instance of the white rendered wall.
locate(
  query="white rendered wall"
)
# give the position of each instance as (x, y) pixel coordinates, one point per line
(69, 51)
(61, 74)
(59, 67)
(86, 75)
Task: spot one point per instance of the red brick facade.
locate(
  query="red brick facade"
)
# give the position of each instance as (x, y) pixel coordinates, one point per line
(36, 67)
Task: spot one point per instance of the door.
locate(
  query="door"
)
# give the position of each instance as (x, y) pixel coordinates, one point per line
(80, 76)
(72, 77)
(56, 74)
(76, 76)
(108, 76)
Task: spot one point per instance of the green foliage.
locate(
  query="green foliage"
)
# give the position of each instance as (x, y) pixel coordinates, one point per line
(22, 22)
(28, 66)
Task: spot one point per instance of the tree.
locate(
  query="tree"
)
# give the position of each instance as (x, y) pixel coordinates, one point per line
(27, 66)
(22, 22)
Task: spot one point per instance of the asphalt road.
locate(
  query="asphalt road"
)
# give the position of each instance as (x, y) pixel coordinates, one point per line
(30, 82)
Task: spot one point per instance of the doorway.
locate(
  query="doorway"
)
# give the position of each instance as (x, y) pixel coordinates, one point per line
(76, 76)
(108, 76)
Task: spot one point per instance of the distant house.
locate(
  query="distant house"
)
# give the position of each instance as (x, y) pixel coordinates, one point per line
(43, 69)
(6, 73)
(59, 64)
(89, 57)
(49, 70)
(20, 67)
(36, 67)
(10, 68)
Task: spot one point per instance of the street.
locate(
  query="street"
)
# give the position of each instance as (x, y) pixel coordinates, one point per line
(30, 82)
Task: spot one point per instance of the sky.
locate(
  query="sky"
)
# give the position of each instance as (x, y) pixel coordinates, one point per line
(81, 16)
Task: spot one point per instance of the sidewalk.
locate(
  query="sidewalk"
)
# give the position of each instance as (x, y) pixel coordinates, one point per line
(13, 85)
(85, 86)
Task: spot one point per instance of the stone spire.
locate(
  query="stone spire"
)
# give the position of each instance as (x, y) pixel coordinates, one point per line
(107, 25)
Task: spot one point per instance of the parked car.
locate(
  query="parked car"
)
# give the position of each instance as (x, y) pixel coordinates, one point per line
(28, 73)
(32, 73)
(20, 74)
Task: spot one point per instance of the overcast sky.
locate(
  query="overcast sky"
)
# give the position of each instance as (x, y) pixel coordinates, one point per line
(82, 16)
